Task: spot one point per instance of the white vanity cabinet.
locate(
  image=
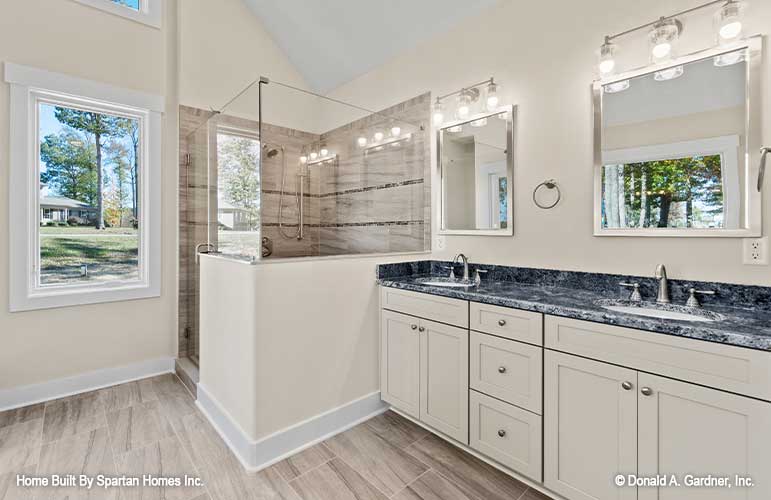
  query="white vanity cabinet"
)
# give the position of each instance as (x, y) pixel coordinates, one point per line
(400, 361)
(602, 419)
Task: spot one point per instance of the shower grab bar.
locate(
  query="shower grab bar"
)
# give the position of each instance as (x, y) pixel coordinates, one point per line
(762, 169)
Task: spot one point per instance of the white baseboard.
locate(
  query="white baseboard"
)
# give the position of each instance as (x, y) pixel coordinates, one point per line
(258, 454)
(17, 397)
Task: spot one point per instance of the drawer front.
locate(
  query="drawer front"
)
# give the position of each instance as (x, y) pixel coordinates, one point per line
(507, 434)
(734, 369)
(524, 326)
(433, 307)
(507, 370)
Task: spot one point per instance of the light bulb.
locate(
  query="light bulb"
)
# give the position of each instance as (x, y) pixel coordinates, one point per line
(728, 21)
(607, 58)
(303, 159)
(437, 113)
(668, 74)
(395, 131)
(314, 155)
(378, 136)
(361, 141)
(464, 105)
(479, 123)
(612, 88)
(324, 152)
(662, 38)
(492, 96)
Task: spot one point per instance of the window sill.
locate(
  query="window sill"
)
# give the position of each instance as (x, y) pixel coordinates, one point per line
(78, 297)
(149, 15)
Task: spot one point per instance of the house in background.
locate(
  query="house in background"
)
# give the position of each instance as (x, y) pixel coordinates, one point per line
(61, 208)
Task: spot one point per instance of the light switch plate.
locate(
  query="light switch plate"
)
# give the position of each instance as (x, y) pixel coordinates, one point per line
(756, 251)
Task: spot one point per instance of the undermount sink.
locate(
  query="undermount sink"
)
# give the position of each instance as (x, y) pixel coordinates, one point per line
(661, 311)
(446, 282)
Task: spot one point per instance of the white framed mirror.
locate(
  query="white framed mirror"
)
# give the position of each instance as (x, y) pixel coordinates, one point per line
(677, 147)
(476, 163)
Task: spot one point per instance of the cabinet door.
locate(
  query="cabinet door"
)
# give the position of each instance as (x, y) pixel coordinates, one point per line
(590, 427)
(444, 379)
(400, 362)
(689, 429)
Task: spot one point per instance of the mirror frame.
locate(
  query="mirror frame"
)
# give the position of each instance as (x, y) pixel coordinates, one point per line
(511, 121)
(752, 205)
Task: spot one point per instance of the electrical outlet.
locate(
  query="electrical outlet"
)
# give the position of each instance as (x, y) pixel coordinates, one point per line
(756, 251)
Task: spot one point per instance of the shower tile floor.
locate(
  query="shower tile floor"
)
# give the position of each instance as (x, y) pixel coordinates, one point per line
(152, 427)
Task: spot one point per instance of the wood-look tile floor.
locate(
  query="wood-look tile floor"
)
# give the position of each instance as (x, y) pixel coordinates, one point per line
(153, 427)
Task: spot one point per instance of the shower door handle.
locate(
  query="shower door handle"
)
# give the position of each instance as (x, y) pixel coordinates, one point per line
(762, 168)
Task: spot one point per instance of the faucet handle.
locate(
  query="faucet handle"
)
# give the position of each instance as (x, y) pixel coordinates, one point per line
(636, 296)
(693, 300)
(452, 271)
(477, 275)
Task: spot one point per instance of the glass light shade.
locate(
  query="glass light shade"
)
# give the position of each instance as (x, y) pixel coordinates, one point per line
(324, 151)
(662, 38)
(668, 74)
(729, 59)
(361, 141)
(314, 155)
(396, 131)
(378, 136)
(492, 96)
(437, 113)
(729, 21)
(464, 106)
(607, 58)
(479, 123)
(303, 159)
(615, 87)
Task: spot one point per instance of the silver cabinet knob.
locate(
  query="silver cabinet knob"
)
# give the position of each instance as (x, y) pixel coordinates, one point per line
(422, 329)
(501, 369)
(501, 322)
(414, 327)
(646, 391)
(627, 386)
(501, 433)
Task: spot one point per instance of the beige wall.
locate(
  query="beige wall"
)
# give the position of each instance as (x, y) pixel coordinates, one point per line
(71, 38)
(543, 53)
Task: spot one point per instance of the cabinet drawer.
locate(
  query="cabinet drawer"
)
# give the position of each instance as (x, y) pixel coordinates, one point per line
(433, 307)
(525, 326)
(507, 370)
(510, 435)
(734, 369)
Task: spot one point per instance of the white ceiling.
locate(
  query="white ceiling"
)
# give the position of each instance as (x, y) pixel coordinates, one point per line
(332, 42)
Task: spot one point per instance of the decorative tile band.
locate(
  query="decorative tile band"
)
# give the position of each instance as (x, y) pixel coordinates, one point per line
(353, 224)
(350, 191)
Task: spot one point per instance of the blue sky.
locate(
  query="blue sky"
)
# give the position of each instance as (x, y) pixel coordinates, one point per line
(134, 4)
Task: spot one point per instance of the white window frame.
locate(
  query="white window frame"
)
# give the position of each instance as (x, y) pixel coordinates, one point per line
(149, 12)
(30, 86)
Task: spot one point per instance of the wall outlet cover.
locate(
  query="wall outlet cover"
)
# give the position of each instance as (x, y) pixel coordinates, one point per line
(756, 251)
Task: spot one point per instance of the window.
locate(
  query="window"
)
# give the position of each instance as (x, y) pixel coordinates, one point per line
(85, 175)
(692, 184)
(143, 11)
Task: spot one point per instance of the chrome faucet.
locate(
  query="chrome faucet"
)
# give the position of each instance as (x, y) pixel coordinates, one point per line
(661, 275)
(464, 259)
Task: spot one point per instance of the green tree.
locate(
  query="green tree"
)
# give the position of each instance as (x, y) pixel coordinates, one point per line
(119, 157)
(70, 169)
(238, 174)
(101, 127)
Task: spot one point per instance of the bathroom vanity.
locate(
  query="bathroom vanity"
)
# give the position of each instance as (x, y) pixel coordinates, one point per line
(533, 371)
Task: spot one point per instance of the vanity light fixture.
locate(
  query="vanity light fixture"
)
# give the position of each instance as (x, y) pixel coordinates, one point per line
(328, 159)
(304, 156)
(378, 136)
(615, 87)
(396, 131)
(668, 74)
(465, 100)
(664, 34)
(729, 21)
(323, 151)
(729, 59)
(361, 141)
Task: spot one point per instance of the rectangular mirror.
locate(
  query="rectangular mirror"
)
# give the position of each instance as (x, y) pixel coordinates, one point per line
(675, 147)
(476, 163)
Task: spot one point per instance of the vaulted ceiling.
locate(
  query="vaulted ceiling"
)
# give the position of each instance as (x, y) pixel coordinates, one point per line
(331, 42)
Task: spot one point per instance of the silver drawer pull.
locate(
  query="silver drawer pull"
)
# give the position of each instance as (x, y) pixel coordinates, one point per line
(501, 433)
(414, 327)
(501, 369)
(627, 386)
(501, 322)
(646, 391)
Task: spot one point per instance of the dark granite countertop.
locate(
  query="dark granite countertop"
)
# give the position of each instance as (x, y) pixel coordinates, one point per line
(743, 325)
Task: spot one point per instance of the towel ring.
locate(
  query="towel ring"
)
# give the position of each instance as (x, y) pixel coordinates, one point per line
(549, 184)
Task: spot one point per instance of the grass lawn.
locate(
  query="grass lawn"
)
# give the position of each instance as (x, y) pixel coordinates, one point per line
(110, 254)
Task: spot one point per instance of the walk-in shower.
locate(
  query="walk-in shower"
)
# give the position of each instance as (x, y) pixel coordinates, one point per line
(315, 177)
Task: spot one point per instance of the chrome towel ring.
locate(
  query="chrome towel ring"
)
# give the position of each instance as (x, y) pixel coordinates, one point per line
(549, 184)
